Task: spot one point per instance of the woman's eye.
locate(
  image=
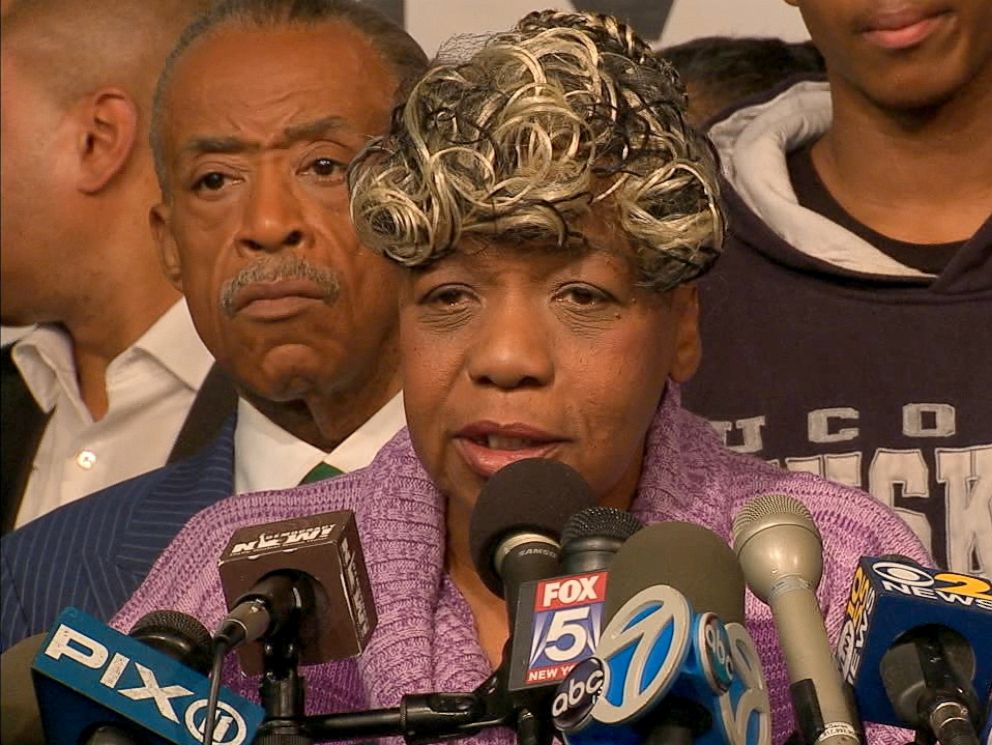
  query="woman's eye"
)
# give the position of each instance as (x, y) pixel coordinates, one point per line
(582, 295)
(448, 297)
(212, 181)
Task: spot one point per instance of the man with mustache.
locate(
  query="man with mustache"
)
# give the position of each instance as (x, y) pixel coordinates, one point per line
(259, 110)
(113, 354)
(847, 327)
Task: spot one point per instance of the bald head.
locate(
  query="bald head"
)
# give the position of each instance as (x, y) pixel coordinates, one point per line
(75, 170)
(74, 47)
(403, 56)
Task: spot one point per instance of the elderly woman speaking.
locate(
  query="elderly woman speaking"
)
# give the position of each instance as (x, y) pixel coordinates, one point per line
(551, 206)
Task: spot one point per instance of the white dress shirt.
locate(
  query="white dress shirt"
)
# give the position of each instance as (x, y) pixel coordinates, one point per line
(150, 388)
(267, 457)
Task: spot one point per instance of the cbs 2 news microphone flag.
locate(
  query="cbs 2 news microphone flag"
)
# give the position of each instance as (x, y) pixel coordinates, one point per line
(914, 639)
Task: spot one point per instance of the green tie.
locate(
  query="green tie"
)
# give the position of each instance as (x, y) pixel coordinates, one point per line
(320, 472)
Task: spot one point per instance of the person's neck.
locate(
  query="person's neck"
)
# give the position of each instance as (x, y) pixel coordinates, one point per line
(491, 621)
(325, 420)
(917, 176)
(102, 329)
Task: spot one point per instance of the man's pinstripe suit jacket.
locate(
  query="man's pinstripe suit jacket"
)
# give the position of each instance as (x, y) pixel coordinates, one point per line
(93, 553)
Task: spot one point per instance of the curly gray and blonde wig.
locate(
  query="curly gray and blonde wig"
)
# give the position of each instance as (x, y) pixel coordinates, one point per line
(519, 142)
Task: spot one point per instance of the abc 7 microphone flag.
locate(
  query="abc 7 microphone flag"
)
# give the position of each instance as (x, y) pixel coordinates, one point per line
(656, 646)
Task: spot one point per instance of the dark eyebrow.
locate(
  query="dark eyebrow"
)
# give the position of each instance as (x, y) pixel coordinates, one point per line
(312, 130)
(294, 133)
(225, 145)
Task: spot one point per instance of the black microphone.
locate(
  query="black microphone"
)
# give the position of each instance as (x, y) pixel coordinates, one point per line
(927, 676)
(916, 644)
(517, 521)
(592, 537)
(514, 538)
(175, 634)
(558, 620)
(302, 579)
(781, 553)
(702, 568)
(686, 556)
(96, 686)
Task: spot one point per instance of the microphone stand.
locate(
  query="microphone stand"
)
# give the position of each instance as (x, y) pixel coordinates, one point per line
(283, 693)
(433, 717)
(676, 720)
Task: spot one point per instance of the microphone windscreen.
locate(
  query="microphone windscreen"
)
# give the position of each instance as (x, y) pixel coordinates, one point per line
(20, 718)
(774, 536)
(690, 558)
(178, 635)
(600, 522)
(532, 495)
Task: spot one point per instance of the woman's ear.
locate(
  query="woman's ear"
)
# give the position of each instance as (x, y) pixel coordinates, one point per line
(688, 347)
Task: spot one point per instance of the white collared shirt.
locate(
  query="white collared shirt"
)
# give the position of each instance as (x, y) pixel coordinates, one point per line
(151, 386)
(267, 457)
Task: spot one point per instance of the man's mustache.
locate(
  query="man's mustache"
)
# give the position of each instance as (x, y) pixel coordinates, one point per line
(274, 269)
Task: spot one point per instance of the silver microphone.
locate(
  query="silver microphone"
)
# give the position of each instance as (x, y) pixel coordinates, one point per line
(781, 553)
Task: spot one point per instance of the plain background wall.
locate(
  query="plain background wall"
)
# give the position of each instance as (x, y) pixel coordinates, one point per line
(661, 22)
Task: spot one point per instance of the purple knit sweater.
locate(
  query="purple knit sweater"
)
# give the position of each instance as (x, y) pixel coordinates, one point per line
(426, 637)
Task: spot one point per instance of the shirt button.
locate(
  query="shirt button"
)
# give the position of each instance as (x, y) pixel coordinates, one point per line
(86, 459)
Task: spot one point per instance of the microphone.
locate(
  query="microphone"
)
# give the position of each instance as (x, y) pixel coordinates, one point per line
(591, 538)
(20, 718)
(517, 521)
(781, 553)
(986, 736)
(513, 539)
(916, 644)
(558, 620)
(96, 686)
(302, 578)
(668, 668)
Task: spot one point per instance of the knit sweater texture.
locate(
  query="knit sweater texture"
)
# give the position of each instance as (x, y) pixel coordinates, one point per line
(426, 638)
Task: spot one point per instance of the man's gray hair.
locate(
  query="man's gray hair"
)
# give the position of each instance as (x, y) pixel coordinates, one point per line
(524, 138)
(397, 48)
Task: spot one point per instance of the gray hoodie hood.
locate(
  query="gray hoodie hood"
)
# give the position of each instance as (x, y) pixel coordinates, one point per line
(753, 143)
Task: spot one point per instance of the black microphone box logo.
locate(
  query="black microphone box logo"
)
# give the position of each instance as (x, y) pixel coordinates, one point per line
(326, 547)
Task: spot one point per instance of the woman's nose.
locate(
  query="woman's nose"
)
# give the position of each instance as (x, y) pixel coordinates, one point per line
(513, 348)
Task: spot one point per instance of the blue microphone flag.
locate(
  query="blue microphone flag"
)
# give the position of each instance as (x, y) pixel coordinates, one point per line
(87, 674)
(889, 597)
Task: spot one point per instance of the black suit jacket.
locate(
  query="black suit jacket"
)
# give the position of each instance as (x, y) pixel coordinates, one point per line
(23, 425)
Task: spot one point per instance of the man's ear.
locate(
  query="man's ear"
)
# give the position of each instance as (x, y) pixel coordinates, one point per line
(688, 348)
(108, 130)
(158, 219)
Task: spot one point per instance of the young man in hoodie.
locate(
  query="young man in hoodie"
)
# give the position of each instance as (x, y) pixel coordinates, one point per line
(848, 329)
